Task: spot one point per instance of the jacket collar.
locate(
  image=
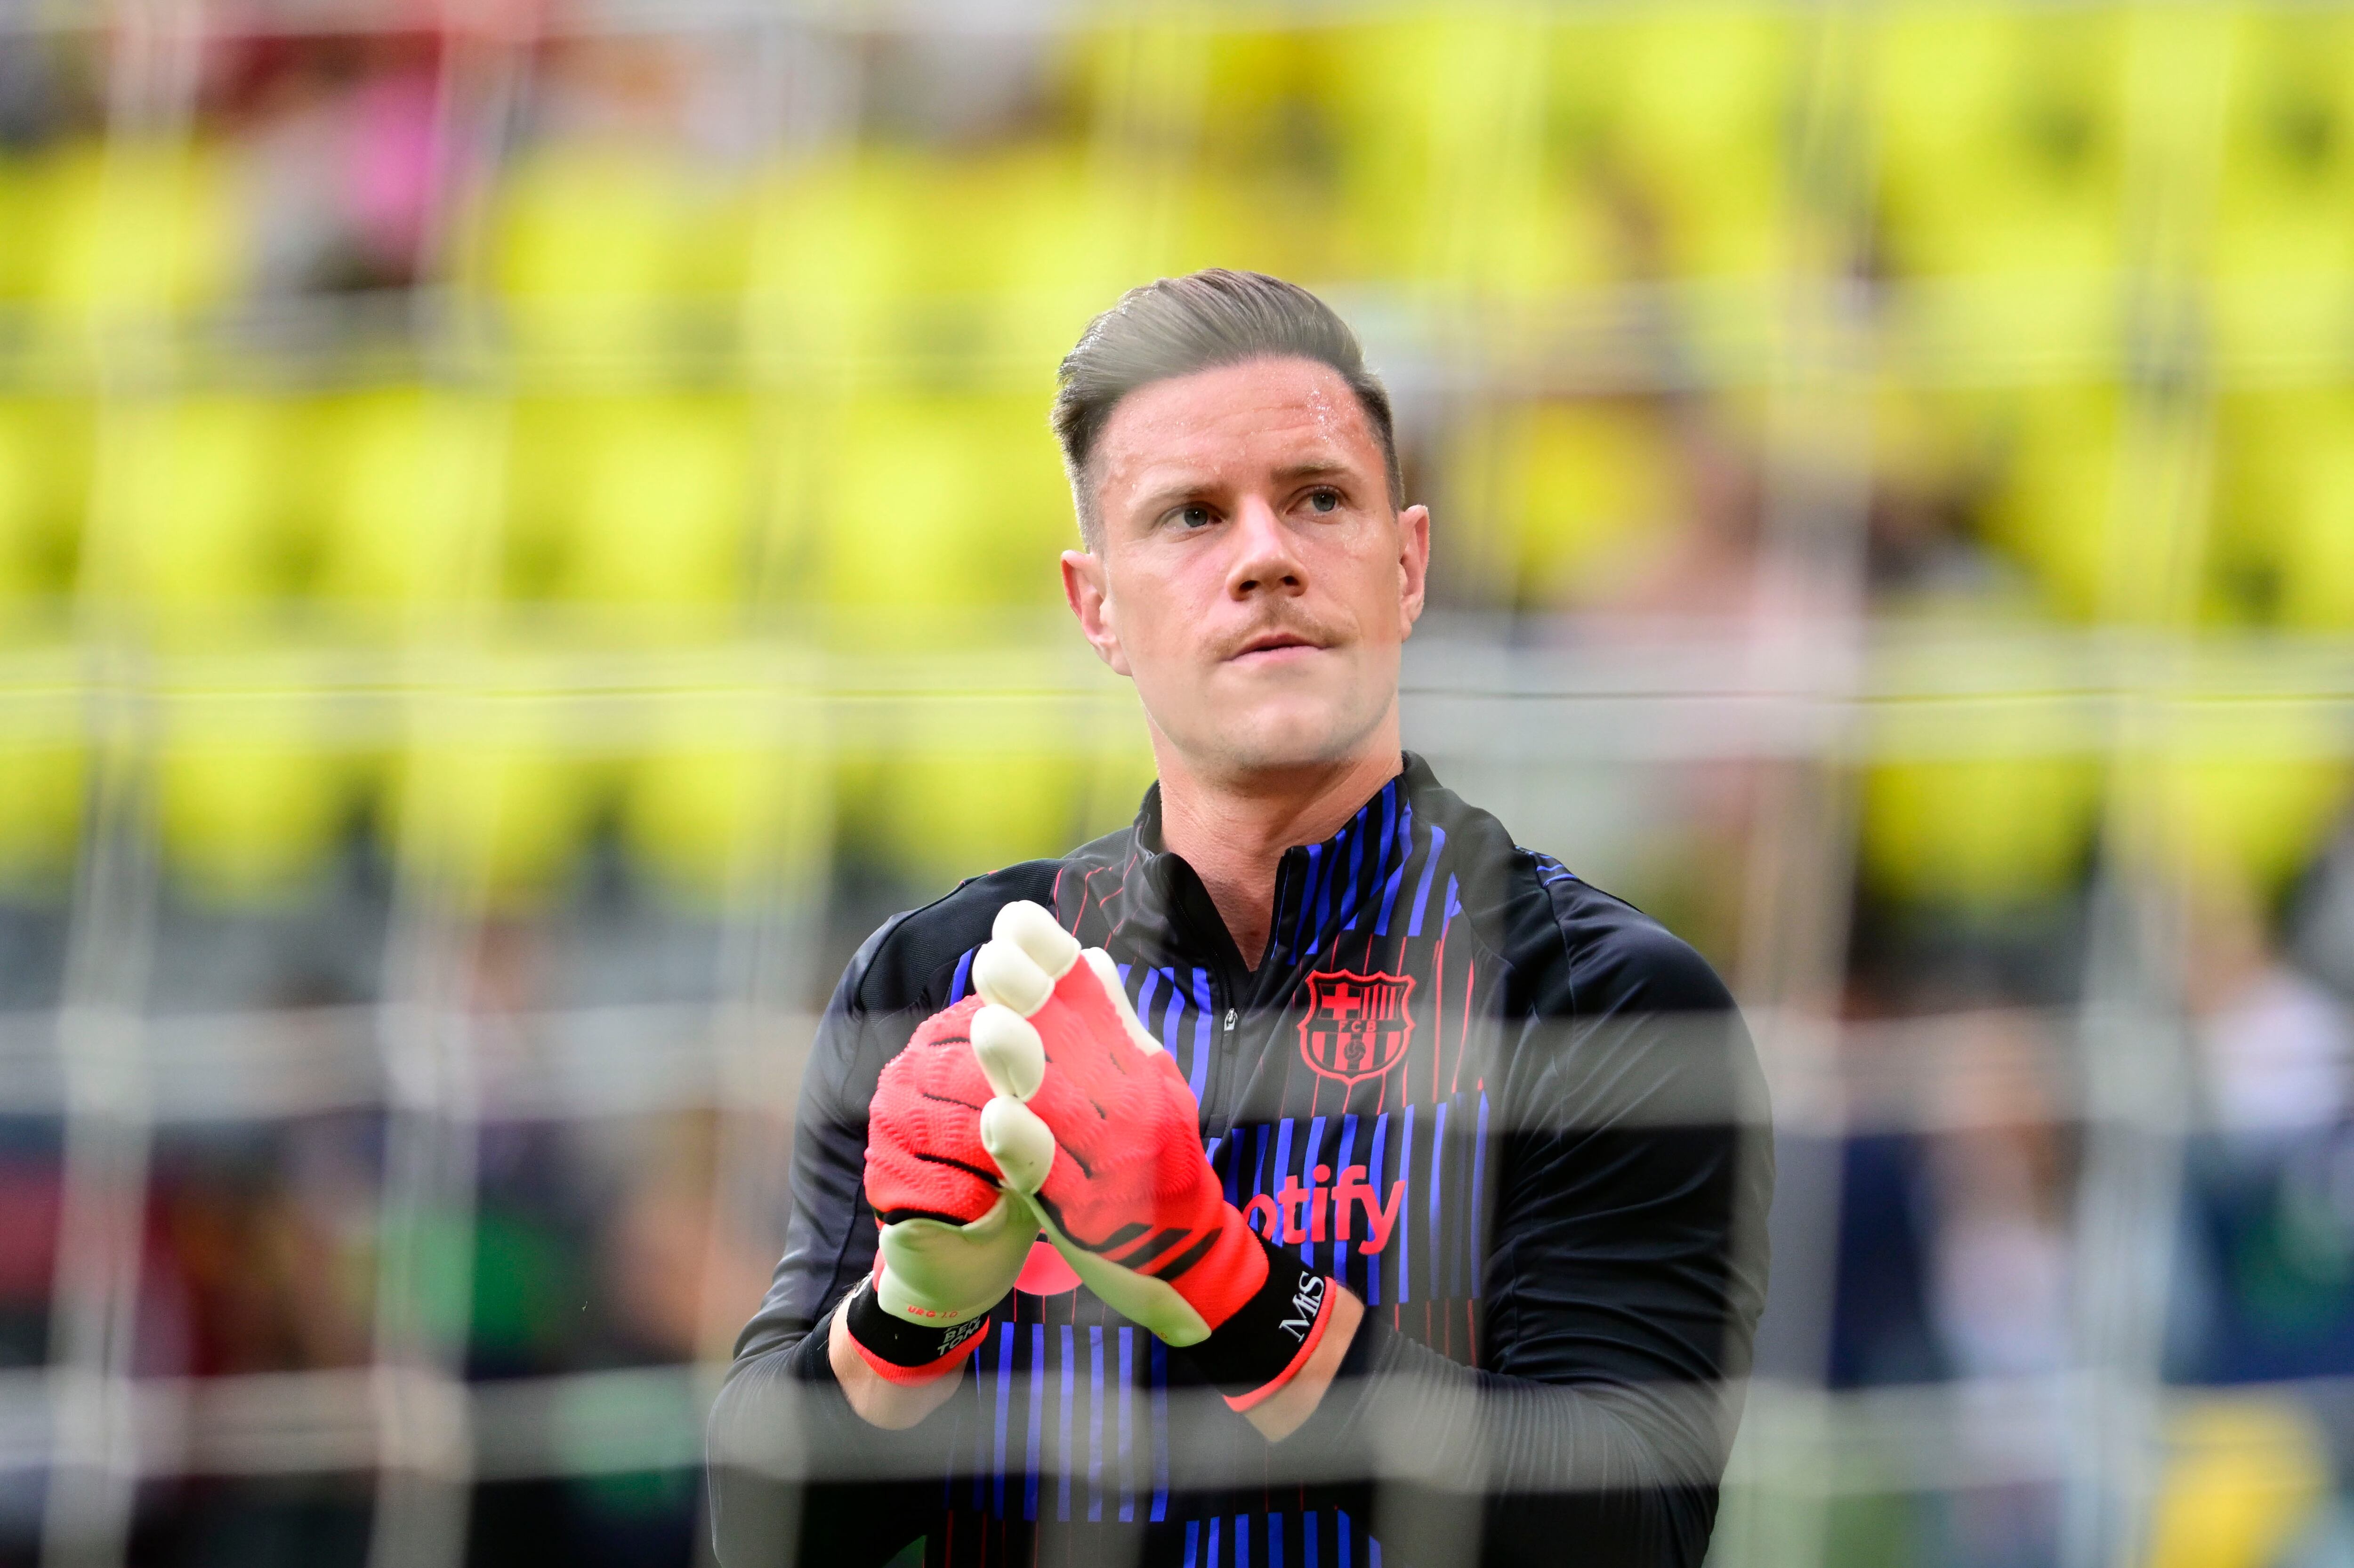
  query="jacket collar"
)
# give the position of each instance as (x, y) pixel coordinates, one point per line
(1354, 879)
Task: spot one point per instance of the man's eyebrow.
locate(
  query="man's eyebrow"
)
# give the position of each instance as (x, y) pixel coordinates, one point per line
(1189, 486)
(1184, 487)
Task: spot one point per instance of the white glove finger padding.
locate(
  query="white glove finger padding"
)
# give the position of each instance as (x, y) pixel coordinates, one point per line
(911, 1240)
(1029, 927)
(1019, 1142)
(1012, 1058)
(1108, 972)
(934, 1272)
(1025, 955)
(1005, 975)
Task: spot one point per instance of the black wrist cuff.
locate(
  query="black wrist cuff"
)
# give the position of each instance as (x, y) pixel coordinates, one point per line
(1270, 1333)
(894, 1340)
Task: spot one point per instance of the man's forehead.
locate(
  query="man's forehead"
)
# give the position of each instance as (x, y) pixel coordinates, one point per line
(1284, 413)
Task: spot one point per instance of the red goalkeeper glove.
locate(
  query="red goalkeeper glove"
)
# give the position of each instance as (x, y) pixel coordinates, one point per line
(1092, 1119)
(952, 1241)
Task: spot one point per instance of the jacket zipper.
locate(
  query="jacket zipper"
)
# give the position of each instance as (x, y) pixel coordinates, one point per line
(1228, 987)
(1216, 1091)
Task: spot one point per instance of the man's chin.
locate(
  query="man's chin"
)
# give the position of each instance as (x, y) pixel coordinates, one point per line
(1279, 736)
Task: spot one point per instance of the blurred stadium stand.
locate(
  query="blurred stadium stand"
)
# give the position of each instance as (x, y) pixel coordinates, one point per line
(522, 538)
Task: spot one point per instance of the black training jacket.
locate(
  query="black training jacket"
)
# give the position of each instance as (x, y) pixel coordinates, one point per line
(1513, 1114)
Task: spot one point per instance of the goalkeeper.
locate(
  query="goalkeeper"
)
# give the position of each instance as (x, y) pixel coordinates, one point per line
(1305, 1172)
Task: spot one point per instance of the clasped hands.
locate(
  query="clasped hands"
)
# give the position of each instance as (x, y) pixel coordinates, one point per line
(1040, 1103)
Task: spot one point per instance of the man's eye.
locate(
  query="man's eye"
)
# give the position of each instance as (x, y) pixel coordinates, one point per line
(1195, 517)
(1324, 500)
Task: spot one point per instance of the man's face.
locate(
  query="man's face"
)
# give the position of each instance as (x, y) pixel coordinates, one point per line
(1250, 575)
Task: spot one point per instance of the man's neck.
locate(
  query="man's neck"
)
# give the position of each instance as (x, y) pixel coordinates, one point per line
(1232, 831)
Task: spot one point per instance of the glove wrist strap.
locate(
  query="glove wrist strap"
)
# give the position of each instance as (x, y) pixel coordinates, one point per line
(901, 1351)
(1270, 1336)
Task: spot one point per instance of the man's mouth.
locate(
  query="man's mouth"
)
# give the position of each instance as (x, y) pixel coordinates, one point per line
(1273, 646)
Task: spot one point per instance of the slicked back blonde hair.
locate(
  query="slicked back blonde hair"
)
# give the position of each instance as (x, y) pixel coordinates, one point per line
(1200, 321)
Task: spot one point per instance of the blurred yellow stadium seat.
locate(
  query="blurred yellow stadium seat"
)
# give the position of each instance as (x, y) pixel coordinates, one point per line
(405, 491)
(846, 251)
(1246, 78)
(2283, 227)
(2240, 790)
(631, 504)
(43, 777)
(928, 509)
(854, 270)
(936, 503)
(422, 492)
(924, 507)
(252, 792)
(2285, 505)
(200, 511)
(204, 544)
(44, 490)
(608, 254)
(21, 190)
(1219, 125)
(2054, 502)
(45, 456)
(546, 441)
(1999, 146)
(1069, 233)
(1234, 89)
(1548, 493)
(1981, 834)
(1414, 148)
(636, 507)
(664, 498)
(1276, 221)
(128, 230)
(2245, 1475)
(1704, 103)
(1435, 135)
(1999, 136)
(935, 813)
(732, 792)
(493, 800)
(1927, 448)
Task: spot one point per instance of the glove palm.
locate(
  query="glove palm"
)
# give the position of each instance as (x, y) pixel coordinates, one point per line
(1092, 1119)
(951, 1239)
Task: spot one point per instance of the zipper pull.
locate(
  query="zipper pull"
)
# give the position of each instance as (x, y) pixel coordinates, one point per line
(1230, 1021)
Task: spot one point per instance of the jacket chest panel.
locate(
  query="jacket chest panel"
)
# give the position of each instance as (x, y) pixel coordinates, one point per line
(1345, 1110)
(1371, 1028)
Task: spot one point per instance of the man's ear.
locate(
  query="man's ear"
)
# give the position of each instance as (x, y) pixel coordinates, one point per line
(1090, 596)
(1414, 566)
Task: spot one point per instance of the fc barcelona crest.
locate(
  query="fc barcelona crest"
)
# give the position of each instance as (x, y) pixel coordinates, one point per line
(1357, 1025)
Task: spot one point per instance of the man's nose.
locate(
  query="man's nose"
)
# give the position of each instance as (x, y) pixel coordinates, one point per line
(1265, 559)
